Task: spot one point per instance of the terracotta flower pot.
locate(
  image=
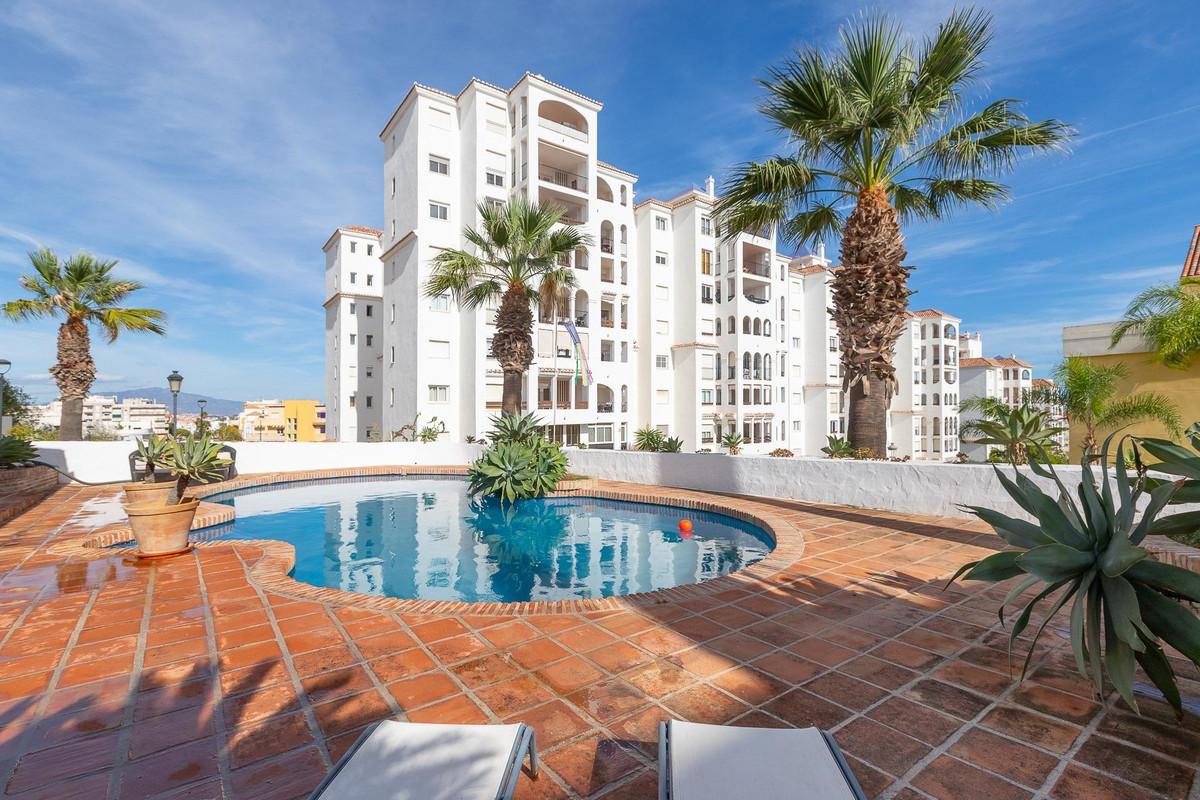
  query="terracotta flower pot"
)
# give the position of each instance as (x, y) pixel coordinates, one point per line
(162, 530)
(142, 493)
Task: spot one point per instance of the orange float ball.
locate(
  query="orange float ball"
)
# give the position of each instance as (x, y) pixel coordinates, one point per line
(685, 525)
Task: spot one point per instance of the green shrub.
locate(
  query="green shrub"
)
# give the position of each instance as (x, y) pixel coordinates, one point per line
(15, 451)
(1086, 551)
(782, 452)
(837, 447)
(515, 429)
(648, 440)
(514, 471)
(672, 445)
(732, 442)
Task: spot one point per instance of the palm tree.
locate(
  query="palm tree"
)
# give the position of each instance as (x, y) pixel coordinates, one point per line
(81, 292)
(878, 125)
(1088, 393)
(1169, 317)
(1015, 428)
(518, 257)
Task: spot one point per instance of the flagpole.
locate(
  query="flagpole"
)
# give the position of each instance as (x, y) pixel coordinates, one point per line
(554, 391)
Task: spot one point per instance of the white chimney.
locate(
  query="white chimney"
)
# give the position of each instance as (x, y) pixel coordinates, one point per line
(710, 186)
(821, 250)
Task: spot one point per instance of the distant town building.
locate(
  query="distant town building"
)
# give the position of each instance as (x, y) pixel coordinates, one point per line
(106, 416)
(283, 421)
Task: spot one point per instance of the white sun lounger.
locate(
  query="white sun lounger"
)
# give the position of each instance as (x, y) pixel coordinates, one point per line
(418, 761)
(716, 762)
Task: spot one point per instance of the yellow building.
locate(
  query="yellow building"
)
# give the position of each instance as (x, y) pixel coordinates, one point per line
(1144, 374)
(283, 421)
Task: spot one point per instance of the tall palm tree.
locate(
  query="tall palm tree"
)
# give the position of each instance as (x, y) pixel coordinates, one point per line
(517, 257)
(879, 125)
(81, 292)
(1089, 394)
(1015, 428)
(1169, 317)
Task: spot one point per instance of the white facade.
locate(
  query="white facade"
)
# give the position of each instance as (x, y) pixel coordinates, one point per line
(683, 330)
(105, 415)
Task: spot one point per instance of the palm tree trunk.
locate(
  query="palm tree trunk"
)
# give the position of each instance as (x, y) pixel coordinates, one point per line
(74, 373)
(512, 345)
(870, 299)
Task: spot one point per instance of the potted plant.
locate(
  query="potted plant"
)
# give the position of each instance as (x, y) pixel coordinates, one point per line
(153, 451)
(15, 452)
(161, 529)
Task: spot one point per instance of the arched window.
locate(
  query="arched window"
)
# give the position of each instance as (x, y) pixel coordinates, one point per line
(950, 332)
(603, 191)
(717, 363)
(624, 196)
(745, 325)
(766, 327)
(758, 366)
(718, 320)
(731, 361)
(1024, 374)
(732, 326)
(746, 364)
(624, 236)
(562, 114)
(767, 367)
(758, 327)
(624, 399)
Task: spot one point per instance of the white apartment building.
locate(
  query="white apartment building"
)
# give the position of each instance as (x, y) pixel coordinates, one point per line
(683, 330)
(105, 415)
(353, 335)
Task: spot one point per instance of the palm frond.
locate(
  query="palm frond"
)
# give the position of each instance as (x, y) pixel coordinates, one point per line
(817, 223)
(454, 272)
(1168, 316)
(139, 320)
(1136, 407)
(27, 309)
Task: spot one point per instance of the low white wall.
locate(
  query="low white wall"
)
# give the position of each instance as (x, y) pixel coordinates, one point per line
(109, 461)
(912, 487)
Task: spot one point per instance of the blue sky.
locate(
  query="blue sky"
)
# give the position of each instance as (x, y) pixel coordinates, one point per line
(212, 147)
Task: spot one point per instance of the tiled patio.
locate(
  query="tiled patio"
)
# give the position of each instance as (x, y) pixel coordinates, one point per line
(190, 678)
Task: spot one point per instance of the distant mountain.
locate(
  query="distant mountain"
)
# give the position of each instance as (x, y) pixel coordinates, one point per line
(216, 406)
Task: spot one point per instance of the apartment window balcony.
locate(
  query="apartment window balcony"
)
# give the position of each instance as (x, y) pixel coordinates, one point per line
(606, 246)
(581, 321)
(757, 266)
(754, 299)
(606, 322)
(606, 272)
(604, 408)
(566, 129)
(560, 177)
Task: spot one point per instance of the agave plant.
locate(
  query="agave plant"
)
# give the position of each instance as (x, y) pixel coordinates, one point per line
(513, 471)
(14, 451)
(549, 465)
(732, 442)
(153, 450)
(516, 429)
(1016, 429)
(673, 444)
(1085, 551)
(194, 459)
(1175, 459)
(837, 447)
(648, 440)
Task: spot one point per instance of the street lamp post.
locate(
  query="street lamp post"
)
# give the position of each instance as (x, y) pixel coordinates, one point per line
(262, 423)
(5, 366)
(200, 429)
(174, 383)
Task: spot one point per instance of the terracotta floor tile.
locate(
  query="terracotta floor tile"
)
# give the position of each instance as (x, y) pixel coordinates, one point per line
(948, 778)
(640, 729)
(569, 674)
(171, 729)
(881, 746)
(946, 698)
(1137, 766)
(438, 629)
(1015, 761)
(456, 710)
(421, 691)
(513, 695)
(1169, 739)
(661, 641)
(788, 667)
(738, 646)
(879, 672)
(592, 763)
(484, 671)
(337, 683)
(266, 739)
(170, 769)
(240, 637)
(750, 685)
(322, 660)
(660, 678)
(401, 665)
(844, 690)
(977, 679)
(537, 653)
(554, 722)
(348, 713)
(583, 638)
(701, 661)
(266, 702)
(510, 633)
(1055, 703)
(64, 761)
(702, 703)
(1081, 783)
(914, 719)
(821, 651)
(384, 643)
(462, 647)
(253, 678)
(292, 775)
(96, 670)
(249, 655)
(803, 709)
(619, 656)
(1025, 726)
(607, 700)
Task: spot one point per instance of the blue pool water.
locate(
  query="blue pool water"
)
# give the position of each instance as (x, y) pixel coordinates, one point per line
(423, 538)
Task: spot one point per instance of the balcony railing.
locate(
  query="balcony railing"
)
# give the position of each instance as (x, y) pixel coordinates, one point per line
(606, 245)
(568, 180)
(753, 299)
(606, 323)
(604, 408)
(758, 267)
(565, 130)
(581, 321)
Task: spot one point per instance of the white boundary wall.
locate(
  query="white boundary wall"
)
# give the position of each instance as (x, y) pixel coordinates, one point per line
(109, 461)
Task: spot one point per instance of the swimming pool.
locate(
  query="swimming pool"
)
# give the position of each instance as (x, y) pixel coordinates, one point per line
(424, 538)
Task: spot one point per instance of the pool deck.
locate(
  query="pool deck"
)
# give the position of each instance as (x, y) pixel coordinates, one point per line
(212, 675)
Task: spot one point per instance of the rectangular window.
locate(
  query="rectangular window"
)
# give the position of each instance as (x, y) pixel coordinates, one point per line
(662, 397)
(439, 394)
(370, 251)
(393, 186)
(392, 355)
(370, 281)
(393, 229)
(353, 338)
(439, 210)
(391, 397)
(833, 345)
(662, 362)
(706, 294)
(662, 327)
(661, 292)
(392, 313)
(353, 246)
(352, 398)
(370, 310)
(706, 226)
(370, 340)
(706, 397)
(660, 223)
(706, 262)
(368, 371)
(370, 401)
(439, 165)
(354, 277)
(352, 306)
(494, 178)
(660, 259)
(439, 348)
(440, 303)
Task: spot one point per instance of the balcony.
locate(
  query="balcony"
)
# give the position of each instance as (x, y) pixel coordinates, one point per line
(760, 267)
(558, 177)
(563, 128)
(606, 245)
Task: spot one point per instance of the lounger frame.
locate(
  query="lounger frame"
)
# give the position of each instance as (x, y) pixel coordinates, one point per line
(664, 764)
(524, 744)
